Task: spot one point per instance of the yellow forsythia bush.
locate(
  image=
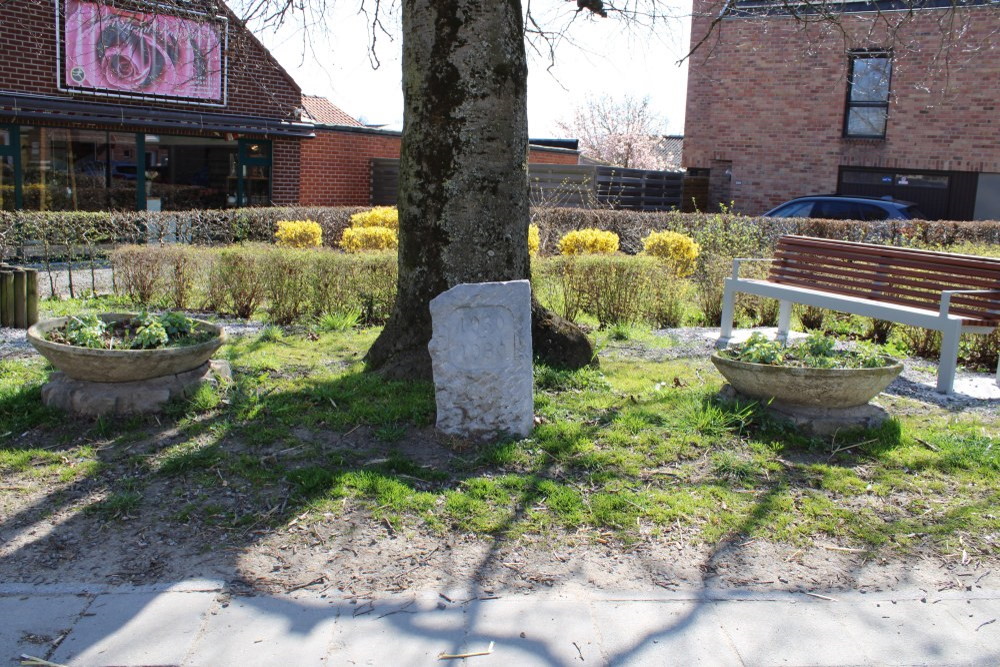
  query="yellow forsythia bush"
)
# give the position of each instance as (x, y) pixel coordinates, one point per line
(361, 239)
(380, 216)
(299, 234)
(588, 242)
(534, 239)
(678, 250)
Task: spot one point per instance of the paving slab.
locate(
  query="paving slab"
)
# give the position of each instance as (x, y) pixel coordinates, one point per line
(410, 632)
(641, 633)
(530, 631)
(33, 624)
(909, 632)
(135, 629)
(266, 631)
(789, 632)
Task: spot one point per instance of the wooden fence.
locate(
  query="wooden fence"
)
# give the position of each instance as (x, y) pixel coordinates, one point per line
(571, 186)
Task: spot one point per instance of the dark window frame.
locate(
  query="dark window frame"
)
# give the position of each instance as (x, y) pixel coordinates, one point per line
(849, 104)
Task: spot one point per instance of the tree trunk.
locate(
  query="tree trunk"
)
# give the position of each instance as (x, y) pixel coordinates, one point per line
(463, 187)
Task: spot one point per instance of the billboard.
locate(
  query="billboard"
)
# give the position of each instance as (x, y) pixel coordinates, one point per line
(170, 55)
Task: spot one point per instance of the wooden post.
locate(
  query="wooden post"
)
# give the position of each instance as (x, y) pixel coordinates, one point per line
(7, 298)
(31, 296)
(20, 301)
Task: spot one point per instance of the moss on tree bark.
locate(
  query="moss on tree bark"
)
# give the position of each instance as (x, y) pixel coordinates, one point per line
(463, 191)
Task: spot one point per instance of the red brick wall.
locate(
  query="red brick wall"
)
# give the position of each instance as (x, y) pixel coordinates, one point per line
(336, 165)
(257, 84)
(769, 96)
(285, 164)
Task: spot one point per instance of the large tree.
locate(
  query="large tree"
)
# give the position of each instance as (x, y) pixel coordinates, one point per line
(463, 199)
(463, 191)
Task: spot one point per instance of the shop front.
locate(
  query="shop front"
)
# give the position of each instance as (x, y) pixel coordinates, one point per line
(131, 106)
(66, 169)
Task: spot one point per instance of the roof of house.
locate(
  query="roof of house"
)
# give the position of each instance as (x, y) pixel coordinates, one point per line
(322, 111)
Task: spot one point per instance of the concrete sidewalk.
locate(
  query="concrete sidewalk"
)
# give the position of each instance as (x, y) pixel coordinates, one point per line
(199, 623)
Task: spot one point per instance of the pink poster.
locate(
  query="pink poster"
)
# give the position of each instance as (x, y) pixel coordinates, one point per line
(144, 54)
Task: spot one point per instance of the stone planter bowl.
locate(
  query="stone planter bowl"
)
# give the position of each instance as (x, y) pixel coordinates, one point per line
(92, 365)
(813, 387)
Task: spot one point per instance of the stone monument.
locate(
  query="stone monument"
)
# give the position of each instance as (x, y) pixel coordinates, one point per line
(481, 357)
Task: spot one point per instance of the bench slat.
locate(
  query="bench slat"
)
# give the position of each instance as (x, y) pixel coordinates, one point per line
(903, 276)
(987, 273)
(885, 281)
(883, 285)
(971, 278)
(936, 258)
(977, 316)
(961, 304)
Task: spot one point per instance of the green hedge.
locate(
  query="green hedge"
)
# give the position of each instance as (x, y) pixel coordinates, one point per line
(633, 226)
(197, 227)
(82, 229)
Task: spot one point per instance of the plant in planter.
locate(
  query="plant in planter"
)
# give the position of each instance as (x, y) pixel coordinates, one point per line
(812, 373)
(140, 332)
(125, 347)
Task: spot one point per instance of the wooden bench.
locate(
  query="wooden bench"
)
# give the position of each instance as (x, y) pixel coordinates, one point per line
(945, 292)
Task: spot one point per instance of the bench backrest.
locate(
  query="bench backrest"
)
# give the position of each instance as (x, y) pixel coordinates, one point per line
(902, 276)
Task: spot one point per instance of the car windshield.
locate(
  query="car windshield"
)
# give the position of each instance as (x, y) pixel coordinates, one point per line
(914, 213)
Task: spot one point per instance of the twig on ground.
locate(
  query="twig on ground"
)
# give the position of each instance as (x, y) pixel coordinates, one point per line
(844, 549)
(318, 580)
(32, 660)
(459, 656)
(401, 610)
(933, 448)
(838, 450)
(821, 597)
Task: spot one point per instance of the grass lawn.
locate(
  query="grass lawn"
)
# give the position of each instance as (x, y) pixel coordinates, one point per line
(638, 450)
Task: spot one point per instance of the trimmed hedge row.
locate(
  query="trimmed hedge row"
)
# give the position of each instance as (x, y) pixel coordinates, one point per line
(202, 227)
(84, 229)
(633, 226)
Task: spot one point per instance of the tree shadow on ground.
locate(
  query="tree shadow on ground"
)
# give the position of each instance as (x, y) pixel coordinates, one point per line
(217, 486)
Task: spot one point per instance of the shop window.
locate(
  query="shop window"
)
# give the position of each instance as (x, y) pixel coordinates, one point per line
(868, 87)
(184, 173)
(68, 170)
(8, 172)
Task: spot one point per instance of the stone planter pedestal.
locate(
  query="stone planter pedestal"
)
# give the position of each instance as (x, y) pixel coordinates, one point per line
(819, 401)
(96, 399)
(95, 382)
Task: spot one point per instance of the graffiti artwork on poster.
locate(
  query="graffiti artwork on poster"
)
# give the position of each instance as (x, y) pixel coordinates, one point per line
(146, 54)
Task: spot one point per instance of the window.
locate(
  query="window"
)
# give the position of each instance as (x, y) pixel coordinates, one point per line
(795, 209)
(868, 94)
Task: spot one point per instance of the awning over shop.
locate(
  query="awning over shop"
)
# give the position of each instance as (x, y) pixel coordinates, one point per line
(24, 108)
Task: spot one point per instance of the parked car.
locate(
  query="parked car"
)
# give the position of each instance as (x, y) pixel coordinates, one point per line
(844, 207)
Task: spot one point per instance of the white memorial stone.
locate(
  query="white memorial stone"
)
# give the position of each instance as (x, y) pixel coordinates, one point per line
(481, 355)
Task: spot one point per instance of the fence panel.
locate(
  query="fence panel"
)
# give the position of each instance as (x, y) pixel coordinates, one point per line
(638, 189)
(562, 185)
(571, 186)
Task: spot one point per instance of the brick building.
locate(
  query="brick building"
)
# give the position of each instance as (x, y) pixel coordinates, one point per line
(107, 106)
(337, 164)
(123, 106)
(881, 103)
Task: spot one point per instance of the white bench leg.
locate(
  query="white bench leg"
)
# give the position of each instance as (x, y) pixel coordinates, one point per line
(728, 313)
(784, 320)
(949, 358)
